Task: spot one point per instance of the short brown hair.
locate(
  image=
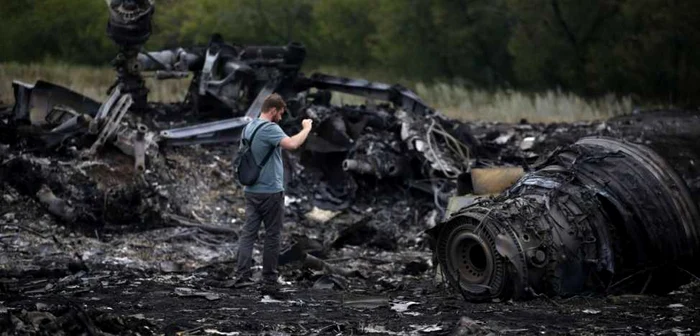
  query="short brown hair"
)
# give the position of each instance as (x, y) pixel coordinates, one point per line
(273, 101)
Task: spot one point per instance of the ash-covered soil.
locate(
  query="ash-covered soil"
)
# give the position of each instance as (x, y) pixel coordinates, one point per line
(168, 271)
(124, 302)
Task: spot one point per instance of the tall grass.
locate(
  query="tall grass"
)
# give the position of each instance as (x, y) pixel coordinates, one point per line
(454, 100)
(511, 106)
(90, 81)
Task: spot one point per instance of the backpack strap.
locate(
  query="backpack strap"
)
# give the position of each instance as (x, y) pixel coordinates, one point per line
(267, 156)
(256, 131)
(269, 153)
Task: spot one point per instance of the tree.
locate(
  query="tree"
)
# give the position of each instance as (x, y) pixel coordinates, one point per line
(472, 38)
(406, 39)
(655, 51)
(552, 39)
(34, 32)
(342, 32)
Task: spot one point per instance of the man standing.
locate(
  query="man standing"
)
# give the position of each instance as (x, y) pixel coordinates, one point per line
(265, 199)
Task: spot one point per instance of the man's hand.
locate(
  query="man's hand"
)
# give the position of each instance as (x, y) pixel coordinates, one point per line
(292, 143)
(306, 124)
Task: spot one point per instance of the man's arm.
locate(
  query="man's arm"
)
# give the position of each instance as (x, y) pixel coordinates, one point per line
(294, 142)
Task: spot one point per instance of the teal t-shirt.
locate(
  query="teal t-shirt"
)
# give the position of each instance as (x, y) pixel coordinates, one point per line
(271, 178)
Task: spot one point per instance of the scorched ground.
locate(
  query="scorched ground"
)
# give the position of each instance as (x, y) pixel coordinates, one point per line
(364, 269)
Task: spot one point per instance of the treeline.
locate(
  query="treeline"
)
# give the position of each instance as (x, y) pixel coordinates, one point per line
(647, 48)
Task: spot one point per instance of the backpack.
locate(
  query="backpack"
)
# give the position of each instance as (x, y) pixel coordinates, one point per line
(245, 169)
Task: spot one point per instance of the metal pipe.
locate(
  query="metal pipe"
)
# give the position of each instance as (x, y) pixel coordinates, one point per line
(140, 148)
(171, 60)
(358, 166)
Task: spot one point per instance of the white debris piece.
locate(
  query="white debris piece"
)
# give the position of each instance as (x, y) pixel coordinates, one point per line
(676, 305)
(426, 328)
(375, 329)
(216, 332)
(268, 299)
(591, 311)
(527, 143)
(290, 200)
(401, 307)
(320, 215)
(504, 138)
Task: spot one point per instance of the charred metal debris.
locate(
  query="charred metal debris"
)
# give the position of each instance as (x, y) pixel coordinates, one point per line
(228, 87)
(599, 215)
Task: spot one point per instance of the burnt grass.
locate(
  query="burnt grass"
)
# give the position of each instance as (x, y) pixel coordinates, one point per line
(156, 278)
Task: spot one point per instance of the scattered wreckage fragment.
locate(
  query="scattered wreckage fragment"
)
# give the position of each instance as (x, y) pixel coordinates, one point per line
(58, 117)
(600, 215)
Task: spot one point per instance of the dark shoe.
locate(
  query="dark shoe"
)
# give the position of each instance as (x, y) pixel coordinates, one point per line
(274, 292)
(240, 282)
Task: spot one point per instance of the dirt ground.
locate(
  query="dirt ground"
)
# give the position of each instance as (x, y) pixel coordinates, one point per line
(160, 278)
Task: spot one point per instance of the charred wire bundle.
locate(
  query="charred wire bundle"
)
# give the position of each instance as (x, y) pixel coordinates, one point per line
(600, 215)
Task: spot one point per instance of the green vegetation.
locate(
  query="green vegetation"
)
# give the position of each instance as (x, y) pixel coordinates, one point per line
(645, 50)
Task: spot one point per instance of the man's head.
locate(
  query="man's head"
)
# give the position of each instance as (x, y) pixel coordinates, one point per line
(273, 107)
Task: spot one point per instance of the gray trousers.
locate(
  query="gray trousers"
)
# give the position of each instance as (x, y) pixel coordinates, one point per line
(267, 208)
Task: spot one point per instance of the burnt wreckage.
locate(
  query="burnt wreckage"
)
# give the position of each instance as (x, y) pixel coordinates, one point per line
(601, 214)
(229, 85)
(586, 217)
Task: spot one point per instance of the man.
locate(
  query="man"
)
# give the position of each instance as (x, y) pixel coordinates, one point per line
(265, 199)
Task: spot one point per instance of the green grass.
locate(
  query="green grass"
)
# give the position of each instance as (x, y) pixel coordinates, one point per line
(454, 100)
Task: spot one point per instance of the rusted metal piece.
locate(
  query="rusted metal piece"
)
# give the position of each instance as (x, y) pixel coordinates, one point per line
(600, 215)
(494, 180)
